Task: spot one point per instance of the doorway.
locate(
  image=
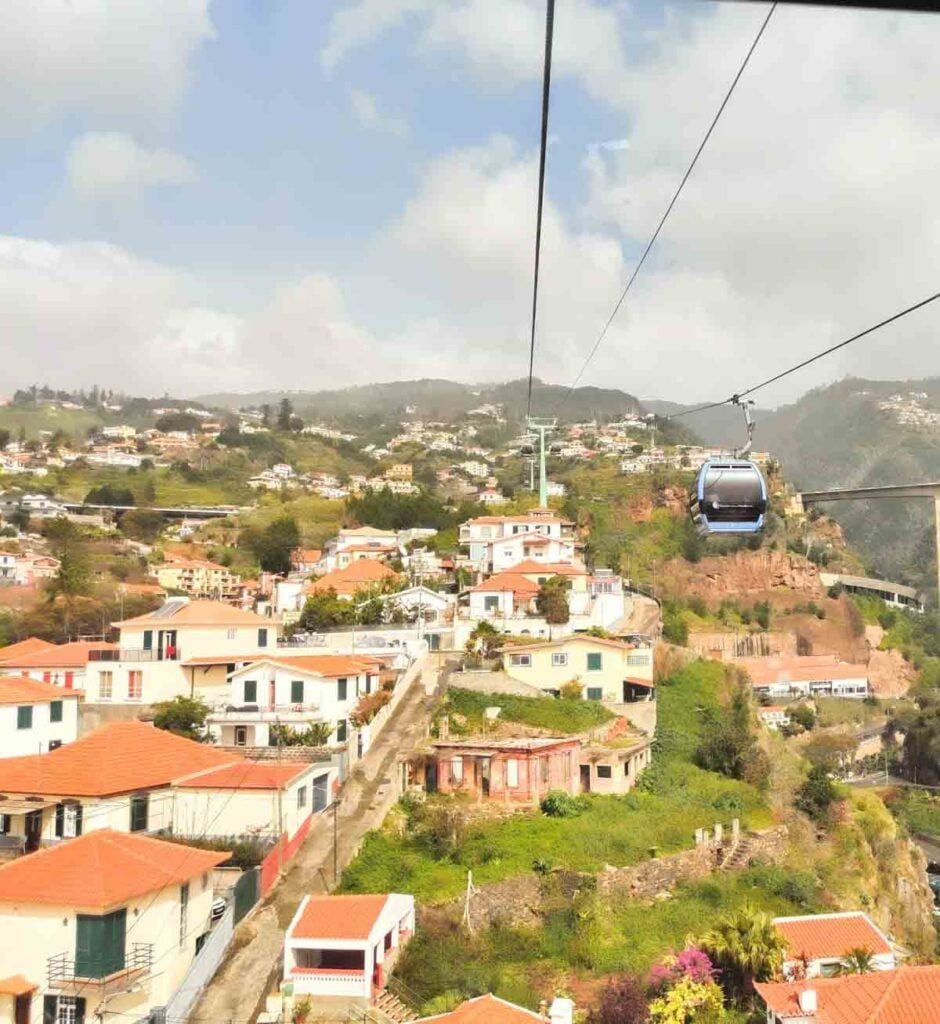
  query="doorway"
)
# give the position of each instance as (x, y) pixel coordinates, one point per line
(21, 1008)
(585, 778)
(241, 735)
(33, 829)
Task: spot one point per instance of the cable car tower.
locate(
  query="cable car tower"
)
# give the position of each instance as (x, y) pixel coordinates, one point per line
(541, 427)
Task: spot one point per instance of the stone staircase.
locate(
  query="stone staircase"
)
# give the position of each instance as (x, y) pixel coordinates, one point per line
(739, 856)
(390, 1006)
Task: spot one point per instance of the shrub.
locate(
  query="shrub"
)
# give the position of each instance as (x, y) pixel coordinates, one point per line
(369, 706)
(558, 804)
(817, 794)
(571, 690)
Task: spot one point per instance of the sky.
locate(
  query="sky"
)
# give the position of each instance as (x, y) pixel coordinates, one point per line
(200, 196)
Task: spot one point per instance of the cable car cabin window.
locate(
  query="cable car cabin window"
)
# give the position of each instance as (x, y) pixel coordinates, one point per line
(733, 494)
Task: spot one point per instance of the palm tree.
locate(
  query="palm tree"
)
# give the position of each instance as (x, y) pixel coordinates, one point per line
(747, 947)
(859, 960)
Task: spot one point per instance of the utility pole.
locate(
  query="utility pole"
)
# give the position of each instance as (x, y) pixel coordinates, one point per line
(280, 801)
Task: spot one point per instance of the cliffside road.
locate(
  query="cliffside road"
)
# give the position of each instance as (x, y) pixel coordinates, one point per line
(644, 618)
(240, 986)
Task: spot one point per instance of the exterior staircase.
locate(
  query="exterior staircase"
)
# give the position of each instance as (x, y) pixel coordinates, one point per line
(739, 856)
(393, 1008)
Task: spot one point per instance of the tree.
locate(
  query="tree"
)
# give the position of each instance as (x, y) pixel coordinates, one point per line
(266, 415)
(831, 750)
(142, 524)
(729, 747)
(689, 1002)
(817, 794)
(746, 947)
(285, 413)
(74, 576)
(315, 735)
(184, 716)
(803, 715)
(4, 438)
(623, 1001)
(859, 960)
(484, 639)
(178, 421)
(108, 495)
(324, 610)
(552, 601)
(272, 545)
(920, 755)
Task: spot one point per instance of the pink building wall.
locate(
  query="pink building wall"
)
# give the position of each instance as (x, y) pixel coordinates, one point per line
(538, 772)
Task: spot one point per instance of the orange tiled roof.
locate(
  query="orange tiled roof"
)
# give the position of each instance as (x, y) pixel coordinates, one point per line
(23, 690)
(331, 666)
(28, 646)
(339, 917)
(16, 985)
(908, 995)
(307, 554)
(102, 869)
(797, 668)
(352, 577)
(247, 775)
(70, 655)
(503, 581)
(378, 549)
(823, 936)
(117, 758)
(484, 1010)
(200, 613)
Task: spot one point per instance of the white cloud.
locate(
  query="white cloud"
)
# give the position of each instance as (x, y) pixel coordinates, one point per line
(109, 165)
(366, 110)
(362, 22)
(115, 58)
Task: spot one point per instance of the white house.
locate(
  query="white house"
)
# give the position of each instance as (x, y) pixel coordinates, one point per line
(64, 665)
(35, 717)
(811, 675)
(480, 536)
(354, 544)
(817, 944)
(346, 946)
(105, 926)
(419, 603)
(503, 596)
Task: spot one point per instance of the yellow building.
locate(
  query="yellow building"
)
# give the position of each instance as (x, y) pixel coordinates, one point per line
(197, 577)
(606, 669)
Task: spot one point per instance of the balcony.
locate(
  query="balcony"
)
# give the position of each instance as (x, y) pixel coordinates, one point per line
(255, 713)
(64, 972)
(132, 654)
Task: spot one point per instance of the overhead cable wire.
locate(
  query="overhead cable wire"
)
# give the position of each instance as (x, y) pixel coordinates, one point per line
(672, 203)
(736, 398)
(543, 146)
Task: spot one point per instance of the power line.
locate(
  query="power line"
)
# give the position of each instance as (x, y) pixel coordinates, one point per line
(734, 399)
(672, 203)
(546, 91)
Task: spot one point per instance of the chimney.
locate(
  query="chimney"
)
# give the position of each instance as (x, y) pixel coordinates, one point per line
(808, 1001)
(561, 1011)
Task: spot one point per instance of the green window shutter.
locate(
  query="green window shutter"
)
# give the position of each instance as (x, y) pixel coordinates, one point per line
(297, 691)
(148, 639)
(59, 820)
(262, 638)
(55, 711)
(140, 813)
(594, 662)
(251, 691)
(99, 944)
(341, 689)
(595, 693)
(24, 717)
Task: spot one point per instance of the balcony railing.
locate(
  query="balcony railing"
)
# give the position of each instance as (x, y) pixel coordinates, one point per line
(256, 713)
(63, 970)
(132, 654)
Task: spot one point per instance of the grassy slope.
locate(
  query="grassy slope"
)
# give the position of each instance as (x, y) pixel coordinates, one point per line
(560, 716)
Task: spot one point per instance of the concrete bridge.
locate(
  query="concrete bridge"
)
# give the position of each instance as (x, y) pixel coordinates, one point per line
(928, 490)
(181, 512)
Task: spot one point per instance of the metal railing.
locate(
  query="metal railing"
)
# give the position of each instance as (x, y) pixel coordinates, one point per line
(62, 968)
(132, 654)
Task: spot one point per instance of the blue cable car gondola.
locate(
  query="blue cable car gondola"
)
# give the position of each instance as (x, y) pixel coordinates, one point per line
(729, 497)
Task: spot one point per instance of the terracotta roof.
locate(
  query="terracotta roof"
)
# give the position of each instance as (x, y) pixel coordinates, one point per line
(222, 659)
(366, 531)
(142, 588)
(117, 758)
(306, 554)
(794, 668)
(352, 577)
(908, 995)
(247, 775)
(330, 666)
(16, 985)
(28, 646)
(377, 549)
(199, 613)
(530, 565)
(71, 655)
(504, 581)
(601, 641)
(23, 690)
(102, 869)
(824, 936)
(484, 1010)
(339, 917)
(540, 516)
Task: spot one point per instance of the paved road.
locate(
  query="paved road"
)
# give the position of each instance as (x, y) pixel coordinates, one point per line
(241, 984)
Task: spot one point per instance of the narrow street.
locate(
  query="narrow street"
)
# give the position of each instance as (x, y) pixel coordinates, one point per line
(239, 987)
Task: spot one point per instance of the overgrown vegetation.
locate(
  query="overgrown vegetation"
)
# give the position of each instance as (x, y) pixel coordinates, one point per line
(466, 710)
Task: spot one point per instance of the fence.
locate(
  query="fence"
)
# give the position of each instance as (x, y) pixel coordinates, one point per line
(247, 892)
(279, 855)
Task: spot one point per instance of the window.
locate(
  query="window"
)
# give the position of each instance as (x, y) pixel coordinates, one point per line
(627, 766)
(24, 717)
(55, 744)
(638, 659)
(55, 711)
(297, 691)
(68, 820)
(594, 661)
(301, 798)
(512, 773)
(148, 639)
(491, 603)
(184, 911)
(456, 769)
(262, 637)
(135, 684)
(105, 685)
(140, 812)
(63, 1010)
(559, 660)
(99, 944)
(342, 688)
(4, 824)
(342, 730)
(595, 693)
(523, 660)
(251, 691)
(604, 771)
(230, 634)
(546, 765)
